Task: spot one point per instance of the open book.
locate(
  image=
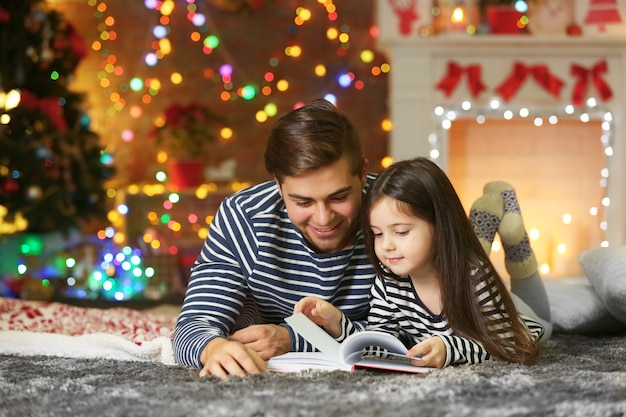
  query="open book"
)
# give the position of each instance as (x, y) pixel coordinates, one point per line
(347, 355)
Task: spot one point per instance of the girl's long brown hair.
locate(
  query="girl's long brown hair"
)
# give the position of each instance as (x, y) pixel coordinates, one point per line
(425, 191)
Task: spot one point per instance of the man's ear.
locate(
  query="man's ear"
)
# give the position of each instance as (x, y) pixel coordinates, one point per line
(364, 172)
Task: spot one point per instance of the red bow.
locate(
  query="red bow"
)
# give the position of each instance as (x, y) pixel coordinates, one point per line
(540, 73)
(578, 94)
(449, 81)
(49, 106)
(70, 39)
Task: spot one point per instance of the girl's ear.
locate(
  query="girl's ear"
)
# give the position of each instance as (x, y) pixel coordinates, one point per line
(280, 190)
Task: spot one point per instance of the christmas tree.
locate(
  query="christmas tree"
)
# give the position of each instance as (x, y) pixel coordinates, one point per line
(52, 167)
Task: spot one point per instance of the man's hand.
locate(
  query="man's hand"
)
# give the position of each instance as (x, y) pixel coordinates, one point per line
(223, 358)
(321, 313)
(432, 353)
(267, 340)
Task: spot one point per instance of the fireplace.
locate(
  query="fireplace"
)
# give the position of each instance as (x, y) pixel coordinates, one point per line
(450, 94)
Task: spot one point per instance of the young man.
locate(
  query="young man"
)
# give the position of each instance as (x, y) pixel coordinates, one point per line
(274, 243)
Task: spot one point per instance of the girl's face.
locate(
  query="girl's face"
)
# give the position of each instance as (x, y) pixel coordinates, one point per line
(402, 242)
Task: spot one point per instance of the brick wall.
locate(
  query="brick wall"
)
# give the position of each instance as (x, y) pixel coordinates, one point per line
(249, 40)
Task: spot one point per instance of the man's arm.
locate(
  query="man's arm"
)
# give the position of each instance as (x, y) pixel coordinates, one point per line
(215, 294)
(223, 358)
(267, 340)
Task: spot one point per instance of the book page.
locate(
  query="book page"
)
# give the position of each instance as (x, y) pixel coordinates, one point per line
(390, 365)
(352, 347)
(302, 361)
(315, 335)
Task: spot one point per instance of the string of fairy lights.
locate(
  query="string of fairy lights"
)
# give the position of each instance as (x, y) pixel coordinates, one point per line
(260, 87)
(445, 115)
(226, 71)
(120, 274)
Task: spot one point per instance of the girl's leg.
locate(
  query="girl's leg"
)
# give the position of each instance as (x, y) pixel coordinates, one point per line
(524, 309)
(520, 261)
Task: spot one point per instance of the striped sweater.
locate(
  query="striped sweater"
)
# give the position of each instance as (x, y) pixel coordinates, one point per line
(253, 268)
(397, 309)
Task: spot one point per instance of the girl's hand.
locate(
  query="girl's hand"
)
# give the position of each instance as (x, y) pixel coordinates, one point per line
(432, 352)
(322, 313)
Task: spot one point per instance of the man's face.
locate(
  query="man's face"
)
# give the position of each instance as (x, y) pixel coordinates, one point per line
(324, 205)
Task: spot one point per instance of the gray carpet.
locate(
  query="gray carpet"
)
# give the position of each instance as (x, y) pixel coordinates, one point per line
(577, 376)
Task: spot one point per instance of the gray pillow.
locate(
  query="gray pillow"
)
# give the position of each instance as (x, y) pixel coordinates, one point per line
(605, 267)
(576, 308)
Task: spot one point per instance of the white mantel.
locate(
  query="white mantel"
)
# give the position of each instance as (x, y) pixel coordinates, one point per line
(418, 64)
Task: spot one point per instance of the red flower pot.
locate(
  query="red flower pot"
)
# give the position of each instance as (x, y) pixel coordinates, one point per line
(186, 173)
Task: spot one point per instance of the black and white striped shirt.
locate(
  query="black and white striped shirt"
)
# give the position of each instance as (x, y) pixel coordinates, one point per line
(253, 268)
(397, 309)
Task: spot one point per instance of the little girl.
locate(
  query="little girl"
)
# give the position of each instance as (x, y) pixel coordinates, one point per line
(436, 288)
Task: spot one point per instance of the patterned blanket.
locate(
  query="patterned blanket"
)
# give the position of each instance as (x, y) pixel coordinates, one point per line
(56, 329)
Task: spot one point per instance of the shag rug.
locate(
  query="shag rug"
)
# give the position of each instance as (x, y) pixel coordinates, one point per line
(45, 376)
(577, 376)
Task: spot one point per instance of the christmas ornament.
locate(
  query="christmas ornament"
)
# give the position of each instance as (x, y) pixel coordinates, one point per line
(406, 12)
(11, 186)
(574, 30)
(601, 13)
(34, 193)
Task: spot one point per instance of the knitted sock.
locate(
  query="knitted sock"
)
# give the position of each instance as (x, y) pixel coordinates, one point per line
(485, 215)
(519, 257)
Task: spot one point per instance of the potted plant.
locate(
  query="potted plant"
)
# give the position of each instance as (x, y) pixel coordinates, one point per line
(185, 133)
(502, 16)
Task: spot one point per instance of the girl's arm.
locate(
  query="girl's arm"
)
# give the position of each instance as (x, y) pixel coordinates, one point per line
(382, 315)
(460, 350)
(393, 301)
(534, 327)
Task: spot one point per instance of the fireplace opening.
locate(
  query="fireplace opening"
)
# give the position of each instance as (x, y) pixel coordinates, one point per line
(557, 170)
